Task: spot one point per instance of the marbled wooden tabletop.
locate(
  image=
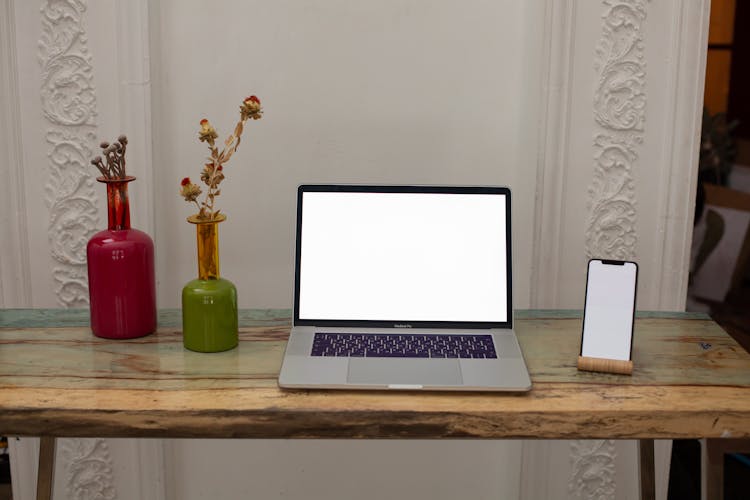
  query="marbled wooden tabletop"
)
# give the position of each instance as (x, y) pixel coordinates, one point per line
(690, 379)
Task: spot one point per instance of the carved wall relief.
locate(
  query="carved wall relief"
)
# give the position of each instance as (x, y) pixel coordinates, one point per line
(620, 114)
(593, 469)
(88, 468)
(69, 106)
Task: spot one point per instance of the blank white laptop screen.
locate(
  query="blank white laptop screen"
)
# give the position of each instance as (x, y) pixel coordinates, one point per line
(375, 256)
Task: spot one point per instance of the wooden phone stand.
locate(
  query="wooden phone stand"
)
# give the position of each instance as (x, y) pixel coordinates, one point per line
(605, 365)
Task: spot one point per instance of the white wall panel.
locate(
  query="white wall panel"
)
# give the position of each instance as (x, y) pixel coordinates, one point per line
(15, 283)
(643, 57)
(340, 469)
(385, 92)
(33, 159)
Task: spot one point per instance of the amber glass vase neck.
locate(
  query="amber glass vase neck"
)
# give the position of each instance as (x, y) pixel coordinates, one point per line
(118, 205)
(207, 233)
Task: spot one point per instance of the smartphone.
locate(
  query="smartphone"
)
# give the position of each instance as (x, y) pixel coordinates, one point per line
(609, 311)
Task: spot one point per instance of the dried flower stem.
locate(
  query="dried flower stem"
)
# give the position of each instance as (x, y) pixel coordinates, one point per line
(212, 173)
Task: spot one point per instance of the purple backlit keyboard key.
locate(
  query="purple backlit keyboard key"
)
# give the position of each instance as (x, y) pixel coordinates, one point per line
(393, 345)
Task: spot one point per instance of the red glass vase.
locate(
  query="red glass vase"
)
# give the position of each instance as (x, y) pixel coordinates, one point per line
(122, 289)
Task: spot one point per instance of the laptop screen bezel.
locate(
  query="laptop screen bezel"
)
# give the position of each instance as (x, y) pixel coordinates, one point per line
(395, 323)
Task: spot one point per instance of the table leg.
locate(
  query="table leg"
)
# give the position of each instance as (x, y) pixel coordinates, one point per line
(712, 469)
(46, 473)
(712, 464)
(647, 469)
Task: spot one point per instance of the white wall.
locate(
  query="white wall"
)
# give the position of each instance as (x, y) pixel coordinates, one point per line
(476, 92)
(383, 92)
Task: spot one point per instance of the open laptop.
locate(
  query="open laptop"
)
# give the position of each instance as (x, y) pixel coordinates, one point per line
(404, 288)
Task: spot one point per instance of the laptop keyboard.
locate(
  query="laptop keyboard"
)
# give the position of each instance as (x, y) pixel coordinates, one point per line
(392, 345)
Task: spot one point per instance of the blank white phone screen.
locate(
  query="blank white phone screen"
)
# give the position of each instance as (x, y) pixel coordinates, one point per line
(608, 319)
(403, 256)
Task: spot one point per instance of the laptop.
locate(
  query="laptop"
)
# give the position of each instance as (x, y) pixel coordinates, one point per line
(403, 288)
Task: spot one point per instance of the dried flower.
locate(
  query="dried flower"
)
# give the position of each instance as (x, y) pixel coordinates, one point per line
(251, 108)
(114, 156)
(207, 133)
(212, 173)
(189, 191)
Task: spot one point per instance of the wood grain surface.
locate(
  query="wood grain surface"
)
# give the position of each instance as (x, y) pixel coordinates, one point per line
(690, 379)
(619, 366)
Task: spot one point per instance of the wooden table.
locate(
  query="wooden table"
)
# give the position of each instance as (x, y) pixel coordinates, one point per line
(690, 380)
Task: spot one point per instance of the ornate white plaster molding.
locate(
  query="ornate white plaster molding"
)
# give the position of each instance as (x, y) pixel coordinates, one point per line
(620, 115)
(88, 469)
(593, 464)
(69, 105)
(612, 214)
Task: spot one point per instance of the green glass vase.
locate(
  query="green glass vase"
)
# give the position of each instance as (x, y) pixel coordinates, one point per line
(209, 303)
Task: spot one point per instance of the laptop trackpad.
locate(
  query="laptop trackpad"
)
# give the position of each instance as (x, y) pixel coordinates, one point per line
(410, 371)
